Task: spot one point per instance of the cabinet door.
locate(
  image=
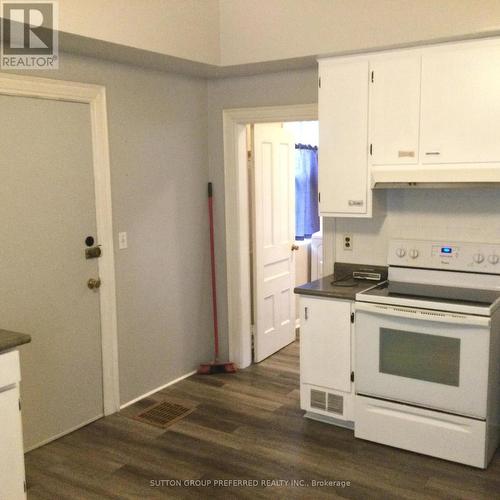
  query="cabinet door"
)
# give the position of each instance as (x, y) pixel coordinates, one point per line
(395, 110)
(325, 343)
(343, 137)
(461, 104)
(11, 446)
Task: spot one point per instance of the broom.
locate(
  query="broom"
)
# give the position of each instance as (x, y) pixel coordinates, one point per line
(216, 366)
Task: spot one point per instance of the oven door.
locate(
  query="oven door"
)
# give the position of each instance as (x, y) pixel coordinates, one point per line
(431, 359)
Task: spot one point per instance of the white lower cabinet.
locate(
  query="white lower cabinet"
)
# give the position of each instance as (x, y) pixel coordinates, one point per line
(326, 389)
(12, 478)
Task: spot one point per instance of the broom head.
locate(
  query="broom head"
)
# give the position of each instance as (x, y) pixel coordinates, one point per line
(216, 367)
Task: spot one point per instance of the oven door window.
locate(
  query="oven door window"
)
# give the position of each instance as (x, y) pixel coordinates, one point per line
(432, 358)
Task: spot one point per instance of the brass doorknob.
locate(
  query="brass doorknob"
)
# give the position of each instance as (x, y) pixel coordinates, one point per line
(94, 283)
(295, 248)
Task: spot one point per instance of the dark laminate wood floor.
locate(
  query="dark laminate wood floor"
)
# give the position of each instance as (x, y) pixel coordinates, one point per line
(246, 426)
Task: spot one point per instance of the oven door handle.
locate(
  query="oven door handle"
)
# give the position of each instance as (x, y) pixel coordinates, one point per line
(423, 314)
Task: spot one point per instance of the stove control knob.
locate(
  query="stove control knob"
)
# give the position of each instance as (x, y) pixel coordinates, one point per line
(478, 258)
(400, 252)
(413, 253)
(493, 259)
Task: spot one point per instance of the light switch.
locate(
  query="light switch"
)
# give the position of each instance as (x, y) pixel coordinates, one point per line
(122, 241)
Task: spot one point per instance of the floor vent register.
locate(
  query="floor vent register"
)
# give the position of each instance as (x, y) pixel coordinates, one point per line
(163, 414)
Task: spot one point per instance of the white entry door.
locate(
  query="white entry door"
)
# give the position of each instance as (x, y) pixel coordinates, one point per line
(47, 206)
(274, 235)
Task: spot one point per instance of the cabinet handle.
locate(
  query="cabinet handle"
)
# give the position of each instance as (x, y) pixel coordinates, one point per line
(432, 153)
(355, 203)
(306, 313)
(406, 154)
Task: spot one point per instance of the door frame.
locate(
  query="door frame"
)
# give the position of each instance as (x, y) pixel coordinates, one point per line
(95, 96)
(237, 217)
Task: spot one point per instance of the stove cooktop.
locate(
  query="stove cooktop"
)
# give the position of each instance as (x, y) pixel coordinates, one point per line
(446, 298)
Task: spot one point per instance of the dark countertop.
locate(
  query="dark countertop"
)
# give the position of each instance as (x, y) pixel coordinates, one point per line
(9, 340)
(324, 287)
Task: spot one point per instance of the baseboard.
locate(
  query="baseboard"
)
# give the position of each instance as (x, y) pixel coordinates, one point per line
(157, 389)
(60, 435)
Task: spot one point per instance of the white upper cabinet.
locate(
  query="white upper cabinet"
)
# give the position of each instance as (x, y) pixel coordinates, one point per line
(343, 137)
(421, 116)
(394, 109)
(460, 116)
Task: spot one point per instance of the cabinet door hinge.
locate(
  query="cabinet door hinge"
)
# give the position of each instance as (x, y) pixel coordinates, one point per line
(372, 77)
(371, 149)
(319, 82)
(19, 404)
(352, 317)
(319, 197)
(24, 484)
(352, 376)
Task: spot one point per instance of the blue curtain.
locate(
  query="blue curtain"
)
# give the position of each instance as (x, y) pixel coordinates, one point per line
(306, 191)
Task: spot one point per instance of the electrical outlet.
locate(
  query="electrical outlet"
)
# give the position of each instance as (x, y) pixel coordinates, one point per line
(347, 242)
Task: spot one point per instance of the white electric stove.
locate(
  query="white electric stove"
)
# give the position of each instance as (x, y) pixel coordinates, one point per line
(428, 351)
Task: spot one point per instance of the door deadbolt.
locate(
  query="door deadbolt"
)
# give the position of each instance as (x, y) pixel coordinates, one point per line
(94, 283)
(93, 252)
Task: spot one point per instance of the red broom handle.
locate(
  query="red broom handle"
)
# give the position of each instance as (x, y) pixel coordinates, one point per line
(212, 262)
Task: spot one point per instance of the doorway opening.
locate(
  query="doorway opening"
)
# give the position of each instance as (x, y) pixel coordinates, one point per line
(237, 206)
(284, 228)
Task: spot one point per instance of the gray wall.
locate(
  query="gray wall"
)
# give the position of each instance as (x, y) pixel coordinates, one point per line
(158, 144)
(292, 87)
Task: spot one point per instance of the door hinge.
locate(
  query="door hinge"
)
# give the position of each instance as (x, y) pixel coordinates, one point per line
(371, 149)
(352, 317)
(352, 376)
(306, 313)
(19, 405)
(24, 485)
(372, 78)
(319, 197)
(319, 82)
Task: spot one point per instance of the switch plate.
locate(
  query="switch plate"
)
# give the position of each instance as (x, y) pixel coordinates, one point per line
(347, 241)
(122, 241)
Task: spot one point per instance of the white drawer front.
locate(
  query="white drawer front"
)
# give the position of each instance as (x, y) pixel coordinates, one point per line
(10, 372)
(437, 434)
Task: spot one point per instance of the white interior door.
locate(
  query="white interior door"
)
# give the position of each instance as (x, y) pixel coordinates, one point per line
(274, 235)
(47, 202)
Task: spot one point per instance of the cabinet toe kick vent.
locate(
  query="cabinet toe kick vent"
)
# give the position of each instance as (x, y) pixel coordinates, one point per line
(322, 400)
(318, 399)
(335, 404)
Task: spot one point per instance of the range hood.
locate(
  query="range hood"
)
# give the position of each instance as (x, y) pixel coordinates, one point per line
(435, 176)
